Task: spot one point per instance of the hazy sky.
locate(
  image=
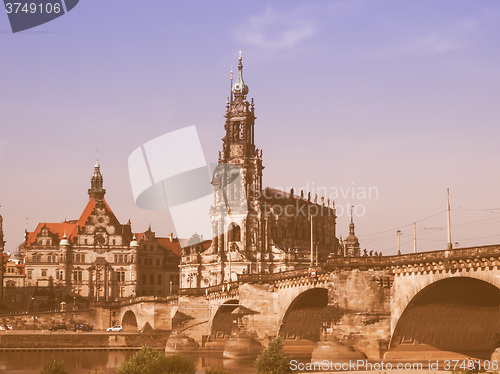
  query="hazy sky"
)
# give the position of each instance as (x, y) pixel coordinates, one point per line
(400, 96)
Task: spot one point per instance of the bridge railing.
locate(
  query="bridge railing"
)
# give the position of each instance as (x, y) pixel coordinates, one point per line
(410, 258)
(265, 278)
(225, 287)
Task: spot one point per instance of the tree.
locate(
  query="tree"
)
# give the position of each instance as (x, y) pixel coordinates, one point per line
(151, 361)
(273, 359)
(54, 367)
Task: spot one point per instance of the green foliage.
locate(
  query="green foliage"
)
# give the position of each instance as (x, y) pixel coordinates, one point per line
(273, 359)
(54, 367)
(150, 361)
(215, 371)
(179, 364)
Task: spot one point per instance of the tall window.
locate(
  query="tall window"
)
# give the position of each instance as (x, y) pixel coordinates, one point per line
(30, 274)
(121, 275)
(77, 275)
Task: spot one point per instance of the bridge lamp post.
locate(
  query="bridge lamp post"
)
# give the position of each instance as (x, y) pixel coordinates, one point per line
(398, 233)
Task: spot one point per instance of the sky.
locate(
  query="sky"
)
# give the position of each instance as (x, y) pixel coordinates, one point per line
(394, 97)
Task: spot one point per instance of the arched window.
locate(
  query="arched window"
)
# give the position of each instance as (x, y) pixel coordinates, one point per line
(234, 233)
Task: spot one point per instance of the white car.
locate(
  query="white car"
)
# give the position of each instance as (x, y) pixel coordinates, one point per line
(116, 328)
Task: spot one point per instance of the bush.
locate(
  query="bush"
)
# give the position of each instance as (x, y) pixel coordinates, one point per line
(215, 371)
(179, 364)
(150, 361)
(273, 359)
(54, 367)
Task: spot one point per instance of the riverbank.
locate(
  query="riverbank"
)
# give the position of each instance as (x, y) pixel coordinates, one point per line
(20, 341)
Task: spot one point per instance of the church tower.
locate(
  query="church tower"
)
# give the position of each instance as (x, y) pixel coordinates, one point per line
(239, 142)
(238, 184)
(96, 191)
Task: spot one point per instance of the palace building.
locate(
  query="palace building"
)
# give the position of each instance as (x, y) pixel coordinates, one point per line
(97, 257)
(265, 230)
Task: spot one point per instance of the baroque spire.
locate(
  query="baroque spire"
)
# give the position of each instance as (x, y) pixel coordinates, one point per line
(239, 87)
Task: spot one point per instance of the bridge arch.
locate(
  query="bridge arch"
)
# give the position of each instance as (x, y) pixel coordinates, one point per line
(407, 286)
(223, 321)
(129, 321)
(456, 314)
(303, 316)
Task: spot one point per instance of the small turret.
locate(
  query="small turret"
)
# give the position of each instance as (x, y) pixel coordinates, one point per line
(64, 241)
(96, 182)
(134, 243)
(352, 242)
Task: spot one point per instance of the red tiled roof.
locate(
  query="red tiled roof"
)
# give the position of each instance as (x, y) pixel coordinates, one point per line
(174, 247)
(54, 228)
(70, 227)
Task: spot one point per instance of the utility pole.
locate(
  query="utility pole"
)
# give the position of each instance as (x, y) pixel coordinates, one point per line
(414, 237)
(312, 241)
(398, 233)
(450, 246)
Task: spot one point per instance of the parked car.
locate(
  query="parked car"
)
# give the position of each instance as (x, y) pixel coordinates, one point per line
(82, 327)
(58, 328)
(116, 328)
(4, 327)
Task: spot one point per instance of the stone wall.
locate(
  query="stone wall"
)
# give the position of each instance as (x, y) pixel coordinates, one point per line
(46, 319)
(81, 340)
(192, 317)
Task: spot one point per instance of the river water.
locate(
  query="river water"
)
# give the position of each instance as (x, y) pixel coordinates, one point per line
(84, 361)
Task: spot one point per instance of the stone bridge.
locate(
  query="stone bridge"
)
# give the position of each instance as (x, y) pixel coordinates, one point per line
(137, 314)
(433, 305)
(427, 305)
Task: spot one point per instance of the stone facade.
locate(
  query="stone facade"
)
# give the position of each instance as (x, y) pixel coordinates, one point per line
(14, 290)
(96, 257)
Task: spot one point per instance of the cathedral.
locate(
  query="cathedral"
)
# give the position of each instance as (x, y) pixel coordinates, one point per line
(98, 258)
(257, 230)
